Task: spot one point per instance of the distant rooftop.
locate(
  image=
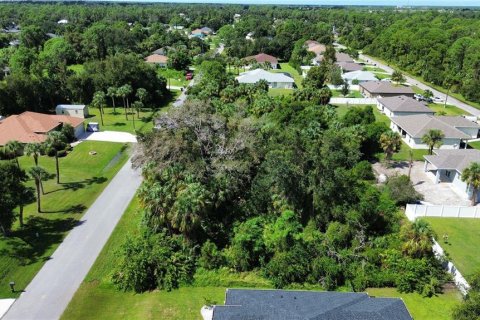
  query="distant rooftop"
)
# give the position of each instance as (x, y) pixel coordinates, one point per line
(404, 104)
(385, 87)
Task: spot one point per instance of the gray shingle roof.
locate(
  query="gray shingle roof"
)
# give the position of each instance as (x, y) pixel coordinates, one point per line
(243, 304)
(457, 159)
(404, 104)
(417, 125)
(385, 87)
(349, 66)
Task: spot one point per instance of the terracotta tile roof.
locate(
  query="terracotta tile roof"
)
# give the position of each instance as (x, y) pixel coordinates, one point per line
(31, 127)
(156, 58)
(263, 57)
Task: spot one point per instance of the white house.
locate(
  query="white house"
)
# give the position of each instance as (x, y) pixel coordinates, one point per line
(73, 110)
(457, 130)
(275, 80)
(360, 76)
(446, 166)
(402, 106)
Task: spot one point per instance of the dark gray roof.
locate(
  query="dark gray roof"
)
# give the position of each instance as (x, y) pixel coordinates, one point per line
(349, 66)
(241, 304)
(457, 159)
(418, 125)
(404, 104)
(385, 87)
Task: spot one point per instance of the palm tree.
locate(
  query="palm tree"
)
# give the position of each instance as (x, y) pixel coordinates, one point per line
(13, 149)
(123, 92)
(112, 93)
(35, 150)
(418, 239)
(98, 101)
(471, 175)
(56, 141)
(390, 142)
(38, 174)
(433, 138)
(25, 196)
(137, 105)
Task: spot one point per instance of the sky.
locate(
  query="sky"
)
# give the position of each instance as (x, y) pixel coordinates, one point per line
(456, 3)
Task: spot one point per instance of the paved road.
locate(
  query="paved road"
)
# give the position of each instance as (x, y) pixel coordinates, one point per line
(49, 293)
(183, 96)
(451, 100)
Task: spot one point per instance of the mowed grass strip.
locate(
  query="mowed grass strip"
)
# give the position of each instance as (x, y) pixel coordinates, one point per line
(462, 244)
(97, 298)
(437, 307)
(83, 177)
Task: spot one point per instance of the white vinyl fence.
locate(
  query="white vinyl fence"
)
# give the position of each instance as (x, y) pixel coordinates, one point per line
(414, 211)
(459, 280)
(353, 101)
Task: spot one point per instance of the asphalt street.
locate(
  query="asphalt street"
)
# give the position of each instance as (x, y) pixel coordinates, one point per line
(49, 293)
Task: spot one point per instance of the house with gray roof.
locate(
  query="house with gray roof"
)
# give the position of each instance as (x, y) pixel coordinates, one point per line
(380, 89)
(402, 106)
(275, 80)
(457, 130)
(349, 66)
(244, 304)
(359, 76)
(446, 166)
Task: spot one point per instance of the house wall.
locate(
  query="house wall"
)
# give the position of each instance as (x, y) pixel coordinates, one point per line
(73, 112)
(416, 143)
(79, 130)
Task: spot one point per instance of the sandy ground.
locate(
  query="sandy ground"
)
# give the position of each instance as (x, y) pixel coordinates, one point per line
(424, 183)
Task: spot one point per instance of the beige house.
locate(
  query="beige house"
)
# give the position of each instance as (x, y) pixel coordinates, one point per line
(402, 106)
(380, 89)
(72, 110)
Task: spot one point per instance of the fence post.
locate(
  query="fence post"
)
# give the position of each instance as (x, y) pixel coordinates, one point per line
(441, 212)
(458, 212)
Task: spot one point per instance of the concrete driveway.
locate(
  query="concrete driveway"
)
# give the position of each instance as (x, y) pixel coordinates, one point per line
(109, 136)
(441, 193)
(49, 293)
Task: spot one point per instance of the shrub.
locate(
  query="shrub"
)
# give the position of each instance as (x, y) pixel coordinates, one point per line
(402, 191)
(68, 132)
(150, 261)
(210, 257)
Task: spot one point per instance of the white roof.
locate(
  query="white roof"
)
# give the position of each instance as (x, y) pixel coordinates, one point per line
(360, 75)
(259, 74)
(71, 106)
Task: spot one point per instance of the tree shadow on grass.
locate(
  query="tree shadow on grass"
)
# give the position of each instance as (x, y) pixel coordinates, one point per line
(119, 124)
(76, 185)
(29, 244)
(77, 208)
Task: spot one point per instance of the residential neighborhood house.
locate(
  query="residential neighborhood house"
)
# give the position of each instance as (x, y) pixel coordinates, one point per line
(275, 80)
(315, 47)
(32, 127)
(73, 110)
(446, 166)
(349, 66)
(402, 106)
(359, 77)
(379, 89)
(157, 59)
(264, 58)
(305, 305)
(457, 130)
(339, 57)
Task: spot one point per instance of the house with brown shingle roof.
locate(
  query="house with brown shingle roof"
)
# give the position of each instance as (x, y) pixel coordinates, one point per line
(402, 106)
(157, 59)
(264, 58)
(457, 130)
(33, 127)
(447, 166)
(380, 89)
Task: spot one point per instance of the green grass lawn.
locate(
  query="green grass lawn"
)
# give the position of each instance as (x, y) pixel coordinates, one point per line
(82, 178)
(381, 76)
(463, 239)
(448, 109)
(174, 77)
(438, 307)
(285, 67)
(475, 145)
(276, 92)
(374, 69)
(351, 94)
